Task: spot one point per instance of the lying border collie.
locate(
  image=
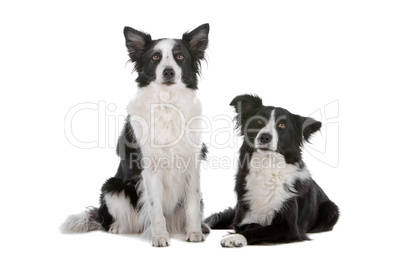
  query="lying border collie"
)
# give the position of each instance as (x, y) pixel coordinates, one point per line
(156, 190)
(277, 200)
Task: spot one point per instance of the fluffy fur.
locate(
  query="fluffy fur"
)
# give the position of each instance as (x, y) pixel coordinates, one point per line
(156, 190)
(277, 200)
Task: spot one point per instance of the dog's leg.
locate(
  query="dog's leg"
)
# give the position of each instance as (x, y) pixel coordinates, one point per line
(276, 233)
(154, 191)
(193, 207)
(328, 214)
(284, 229)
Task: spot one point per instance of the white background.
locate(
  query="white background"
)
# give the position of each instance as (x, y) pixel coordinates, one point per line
(301, 55)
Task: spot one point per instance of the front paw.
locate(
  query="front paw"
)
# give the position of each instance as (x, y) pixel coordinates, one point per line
(195, 237)
(234, 240)
(160, 241)
(115, 228)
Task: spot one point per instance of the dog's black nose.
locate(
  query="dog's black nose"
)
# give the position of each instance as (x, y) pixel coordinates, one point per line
(168, 73)
(265, 138)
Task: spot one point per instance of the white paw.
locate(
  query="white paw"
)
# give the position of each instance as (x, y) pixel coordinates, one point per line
(114, 228)
(234, 240)
(160, 241)
(195, 237)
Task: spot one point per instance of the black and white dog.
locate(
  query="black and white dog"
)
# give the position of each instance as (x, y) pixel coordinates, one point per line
(277, 200)
(156, 190)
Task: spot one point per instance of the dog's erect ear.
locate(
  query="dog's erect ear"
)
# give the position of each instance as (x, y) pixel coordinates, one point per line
(136, 42)
(245, 107)
(198, 40)
(308, 126)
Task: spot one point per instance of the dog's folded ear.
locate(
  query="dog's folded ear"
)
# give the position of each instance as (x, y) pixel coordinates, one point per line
(245, 106)
(136, 42)
(198, 40)
(308, 126)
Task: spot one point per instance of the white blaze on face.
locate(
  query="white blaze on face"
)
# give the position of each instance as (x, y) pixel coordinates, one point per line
(270, 128)
(165, 48)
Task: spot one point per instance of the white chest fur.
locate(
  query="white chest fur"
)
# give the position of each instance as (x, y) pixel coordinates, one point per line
(164, 119)
(166, 123)
(268, 184)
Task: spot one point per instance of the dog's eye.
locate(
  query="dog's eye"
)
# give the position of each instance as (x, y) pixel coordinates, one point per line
(260, 122)
(156, 56)
(180, 57)
(282, 125)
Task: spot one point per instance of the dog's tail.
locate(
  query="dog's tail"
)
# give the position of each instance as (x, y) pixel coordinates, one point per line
(221, 220)
(83, 222)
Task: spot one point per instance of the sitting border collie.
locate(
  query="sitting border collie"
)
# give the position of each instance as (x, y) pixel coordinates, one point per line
(156, 190)
(277, 200)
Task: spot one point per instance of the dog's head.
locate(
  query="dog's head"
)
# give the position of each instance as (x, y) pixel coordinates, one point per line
(272, 129)
(167, 62)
